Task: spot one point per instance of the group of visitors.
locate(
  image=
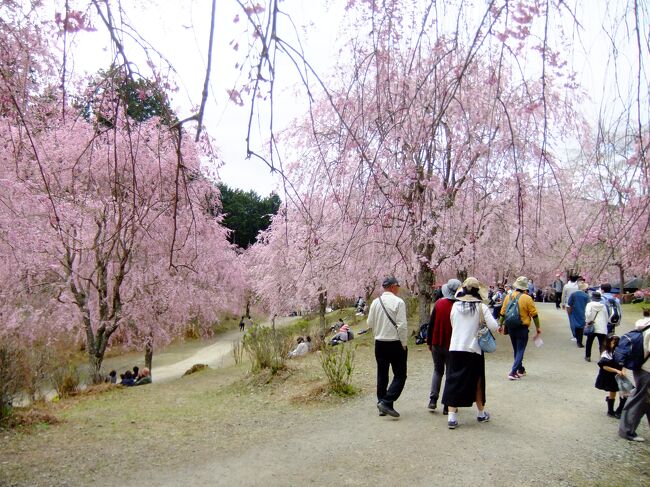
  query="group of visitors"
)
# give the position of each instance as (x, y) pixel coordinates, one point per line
(135, 377)
(596, 316)
(452, 338)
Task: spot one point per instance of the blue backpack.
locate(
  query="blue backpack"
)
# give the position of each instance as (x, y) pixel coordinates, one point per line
(421, 337)
(614, 316)
(629, 351)
(512, 317)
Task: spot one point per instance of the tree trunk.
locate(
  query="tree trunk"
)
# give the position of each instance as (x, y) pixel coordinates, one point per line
(148, 355)
(426, 280)
(621, 276)
(322, 304)
(95, 363)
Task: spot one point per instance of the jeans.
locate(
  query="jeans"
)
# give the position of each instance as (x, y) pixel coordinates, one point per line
(590, 341)
(390, 355)
(519, 339)
(440, 356)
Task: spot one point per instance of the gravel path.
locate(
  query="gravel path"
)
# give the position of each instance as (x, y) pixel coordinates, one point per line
(548, 429)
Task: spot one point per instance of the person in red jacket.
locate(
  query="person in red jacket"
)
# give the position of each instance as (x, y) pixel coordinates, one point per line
(438, 337)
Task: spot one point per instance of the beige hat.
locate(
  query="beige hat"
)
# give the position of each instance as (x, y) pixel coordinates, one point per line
(583, 286)
(521, 283)
(471, 283)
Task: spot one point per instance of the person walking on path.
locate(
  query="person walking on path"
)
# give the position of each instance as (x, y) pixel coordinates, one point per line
(519, 329)
(387, 320)
(596, 312)
(465, 379)
(576, 306)
(638, 405)
(438, 338)
(613, 304)
(241, 324)
(558, 285)
(569, 289)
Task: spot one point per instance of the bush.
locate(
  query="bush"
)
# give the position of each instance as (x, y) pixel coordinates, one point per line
(14, 376)
(338, 364)
(66, 379)
(268, 348)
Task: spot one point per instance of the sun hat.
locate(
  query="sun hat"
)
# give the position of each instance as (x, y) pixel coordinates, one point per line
(449, 289)
(469, 284)
(595, 296)
(582, 285)
(521, 283)
(389, 281)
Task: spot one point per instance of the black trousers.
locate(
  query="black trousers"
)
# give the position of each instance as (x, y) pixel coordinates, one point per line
(390, 355)
(558, 298)
(590, 341)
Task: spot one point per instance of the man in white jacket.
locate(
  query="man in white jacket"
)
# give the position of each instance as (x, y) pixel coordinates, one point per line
(387, 320)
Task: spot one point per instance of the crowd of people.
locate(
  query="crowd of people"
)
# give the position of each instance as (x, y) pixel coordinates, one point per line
(452, 337)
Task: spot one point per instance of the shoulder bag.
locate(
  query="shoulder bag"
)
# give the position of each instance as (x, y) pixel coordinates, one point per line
(484, 336)
(589, 327)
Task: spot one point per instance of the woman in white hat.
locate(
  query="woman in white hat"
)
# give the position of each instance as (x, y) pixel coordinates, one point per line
(465, 382)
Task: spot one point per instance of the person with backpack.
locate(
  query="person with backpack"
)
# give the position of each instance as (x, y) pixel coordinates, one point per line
(633, 352)
(438, 338)
(517, 313)
(596, 315)
(613, 304)
(465, 379)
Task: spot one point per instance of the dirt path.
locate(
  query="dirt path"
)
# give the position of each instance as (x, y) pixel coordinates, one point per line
(178, 359)
(548, 429)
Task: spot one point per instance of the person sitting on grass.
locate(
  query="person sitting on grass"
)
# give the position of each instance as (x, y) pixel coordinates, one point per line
(112, 377)
(145, 377)
(301, 349)
(127, 379)
(343, 335)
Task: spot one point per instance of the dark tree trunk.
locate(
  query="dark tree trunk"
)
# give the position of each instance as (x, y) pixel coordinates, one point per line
(322, 305)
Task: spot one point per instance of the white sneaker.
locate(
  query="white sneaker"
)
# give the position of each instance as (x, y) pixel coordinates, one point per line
(574, 339)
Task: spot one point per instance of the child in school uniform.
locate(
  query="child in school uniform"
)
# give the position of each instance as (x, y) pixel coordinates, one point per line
(606, 379)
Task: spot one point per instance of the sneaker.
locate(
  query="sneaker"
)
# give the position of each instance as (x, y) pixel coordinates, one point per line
(513, 377)
(587, 359)
(385, 408)
(382, 414)
(452, 424)
(574, 339)
(432, 405)
(580, 345)
(634, 437)
(522, 374)
(483, 419)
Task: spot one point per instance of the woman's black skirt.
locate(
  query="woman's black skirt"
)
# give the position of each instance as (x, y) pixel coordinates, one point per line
(464, 371)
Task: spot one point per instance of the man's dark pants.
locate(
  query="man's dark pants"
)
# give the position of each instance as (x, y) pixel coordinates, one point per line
(637, 406)
(390, 355)
(558, 298)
